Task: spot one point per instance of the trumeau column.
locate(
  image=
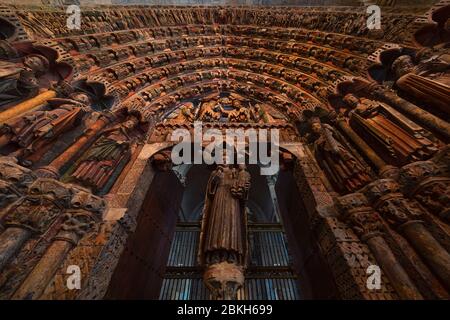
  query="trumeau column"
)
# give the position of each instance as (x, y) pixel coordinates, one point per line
(80, 219)
(368, 226)
(406, 216)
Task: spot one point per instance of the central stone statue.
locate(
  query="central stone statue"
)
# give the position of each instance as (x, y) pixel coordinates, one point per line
(223, 238)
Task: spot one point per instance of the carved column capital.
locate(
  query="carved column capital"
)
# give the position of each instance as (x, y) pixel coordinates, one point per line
(45, 200)
(386, 197)
(85, 210)
(426, 182)
(14, 180)
(411, 175)
(360, 215)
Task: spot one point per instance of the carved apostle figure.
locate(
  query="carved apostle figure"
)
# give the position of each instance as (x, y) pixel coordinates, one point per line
(36, 129)
(19, 81)
(396, 138)
(223, 225)
(105, 158)
(428, 81)
(345, 171)
(14, 181)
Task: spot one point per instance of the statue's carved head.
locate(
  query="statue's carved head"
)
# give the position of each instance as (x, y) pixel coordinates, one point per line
(36, 62)
(402, 65)
(81, 97)
(351, 100)
(316, 125)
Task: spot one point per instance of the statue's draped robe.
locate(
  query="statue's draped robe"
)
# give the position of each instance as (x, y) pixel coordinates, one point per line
(36, 129)
(397, 139)
(223, 225)
(344, 170)
(429, 83)
(108, 155)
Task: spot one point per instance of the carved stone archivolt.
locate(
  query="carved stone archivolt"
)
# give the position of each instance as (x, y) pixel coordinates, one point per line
(86, 119)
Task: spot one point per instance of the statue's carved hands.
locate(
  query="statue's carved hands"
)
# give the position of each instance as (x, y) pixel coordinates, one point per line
(237, 192)
(344, 155)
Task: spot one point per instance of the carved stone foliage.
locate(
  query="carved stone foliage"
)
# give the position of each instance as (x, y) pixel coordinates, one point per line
(14, 180)
(84, 213)
(56, 212)
(36, 211)
(387, 198)
(426, 182)
(359, 215)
